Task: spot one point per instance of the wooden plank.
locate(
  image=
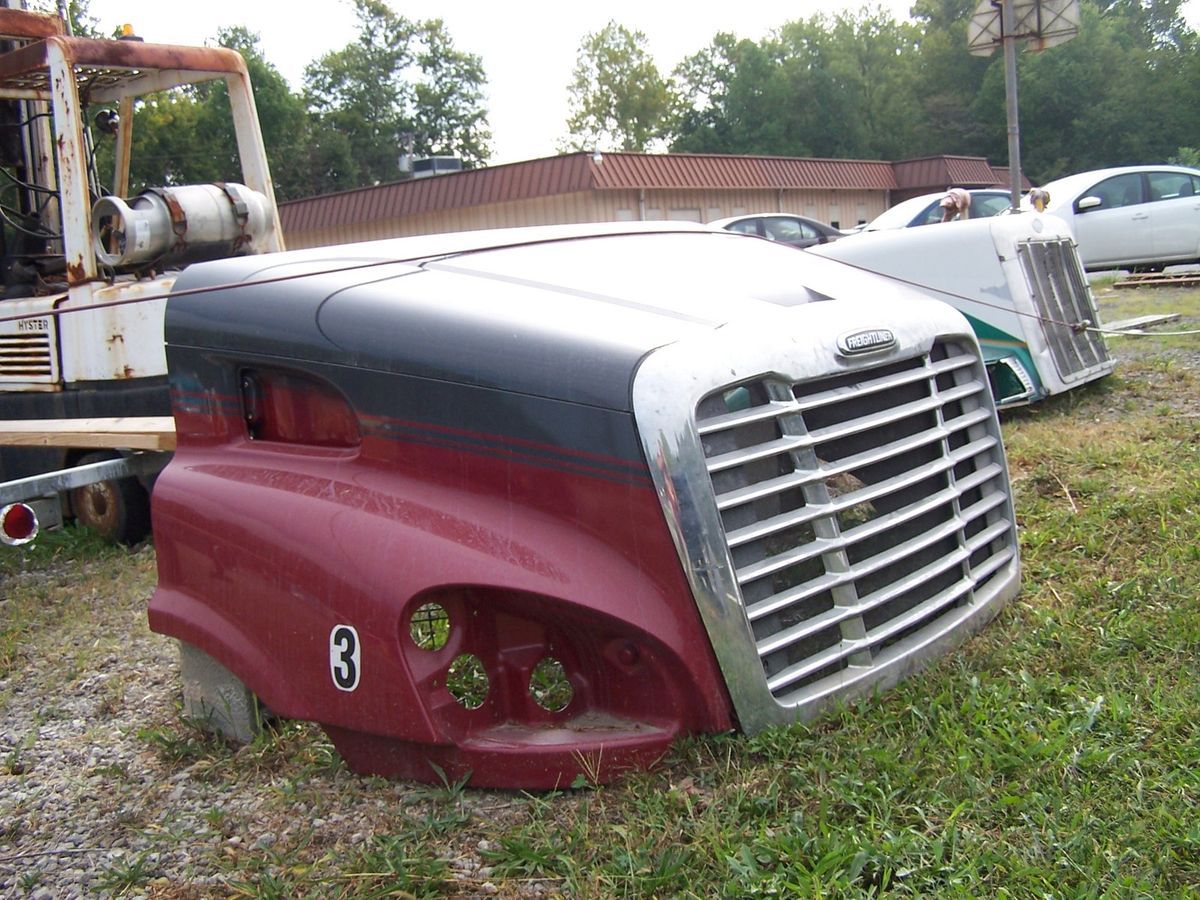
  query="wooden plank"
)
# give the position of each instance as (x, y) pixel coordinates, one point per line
(1136, 281)
(1141, 322)
(120, 433)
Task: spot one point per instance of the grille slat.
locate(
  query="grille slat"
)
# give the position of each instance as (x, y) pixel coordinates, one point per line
(878, 420)
(1060, 294)
(862, 512)
(985, 537)
(872, 565)
(762, 451)
(849, 647)
(849, 501)
(815, 663)
(813, 401)
(920, 612)
(746, 417)
(839, 614)
(792, 480)
(765, 527)
(26, 357)
(864, 532)
(792, 443)
(993, 563)
(779, 602)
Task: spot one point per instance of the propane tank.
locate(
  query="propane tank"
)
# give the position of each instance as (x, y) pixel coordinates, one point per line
(179, 225)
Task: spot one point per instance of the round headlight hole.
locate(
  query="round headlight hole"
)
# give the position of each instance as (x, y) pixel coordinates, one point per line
(549, 685)
(430, 626)
(467, 681)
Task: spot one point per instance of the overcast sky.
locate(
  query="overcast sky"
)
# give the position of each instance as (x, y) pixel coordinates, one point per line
(528, 49)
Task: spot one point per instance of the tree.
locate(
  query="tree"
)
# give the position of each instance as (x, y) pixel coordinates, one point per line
(79, 15)
(1186, 156)
(947, 80)
(397, 77)
(1111, 96)
(281, 113)
(819, 87)
(617, 98)
(862, 67)
(186, 135)
(741, 97)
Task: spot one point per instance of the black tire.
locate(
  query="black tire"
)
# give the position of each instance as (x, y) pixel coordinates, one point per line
(119, 509)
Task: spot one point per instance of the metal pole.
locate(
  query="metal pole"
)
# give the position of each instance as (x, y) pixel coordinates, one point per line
(140, 464)
(1008, 25)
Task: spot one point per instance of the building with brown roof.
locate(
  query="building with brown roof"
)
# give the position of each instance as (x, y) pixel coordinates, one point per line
(934, 173)
(622, 187)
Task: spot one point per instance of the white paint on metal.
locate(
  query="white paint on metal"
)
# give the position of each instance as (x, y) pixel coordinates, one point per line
(1043, 23)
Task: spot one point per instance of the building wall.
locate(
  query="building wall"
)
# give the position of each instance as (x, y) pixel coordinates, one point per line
(845, 208)
(562, 209)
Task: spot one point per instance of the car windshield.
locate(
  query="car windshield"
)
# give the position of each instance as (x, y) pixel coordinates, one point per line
(899, 215)
(926, 210)
(989, 205)
(779, 229)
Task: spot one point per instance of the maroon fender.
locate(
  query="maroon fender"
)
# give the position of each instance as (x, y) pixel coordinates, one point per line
(272, 557)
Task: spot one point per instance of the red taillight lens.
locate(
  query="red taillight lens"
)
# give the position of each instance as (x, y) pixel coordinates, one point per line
(18, 524)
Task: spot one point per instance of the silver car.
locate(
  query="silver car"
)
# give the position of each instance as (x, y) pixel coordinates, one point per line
(1139, 217)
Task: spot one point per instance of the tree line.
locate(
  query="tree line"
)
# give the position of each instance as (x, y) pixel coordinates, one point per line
(866, 86)
(858, 85)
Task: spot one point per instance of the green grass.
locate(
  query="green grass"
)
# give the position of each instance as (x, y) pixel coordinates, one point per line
(1122, 303)
(126, 875)
(59, 580)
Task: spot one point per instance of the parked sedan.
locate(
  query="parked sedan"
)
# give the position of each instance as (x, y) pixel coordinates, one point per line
(1131, 217)
(796, 231)
(927, 209)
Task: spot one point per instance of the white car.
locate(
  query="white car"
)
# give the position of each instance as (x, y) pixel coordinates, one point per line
(1142, 217)
(927, 210)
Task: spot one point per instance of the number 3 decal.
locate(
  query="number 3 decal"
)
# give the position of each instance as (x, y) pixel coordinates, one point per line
(344, 658)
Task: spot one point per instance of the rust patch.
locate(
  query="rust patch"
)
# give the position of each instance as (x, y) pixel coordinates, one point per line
(24, 63)
(137, 55)
(76, 273)
(18, 23)
(26, 67)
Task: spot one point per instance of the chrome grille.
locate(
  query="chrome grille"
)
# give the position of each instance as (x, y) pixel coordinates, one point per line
(858, 508)
(27, 356)
(1061, 296)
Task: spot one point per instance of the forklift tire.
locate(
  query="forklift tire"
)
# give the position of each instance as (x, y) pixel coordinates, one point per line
(118, 509)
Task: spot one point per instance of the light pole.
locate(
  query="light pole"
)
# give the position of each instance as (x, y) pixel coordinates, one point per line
(1041, 23)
